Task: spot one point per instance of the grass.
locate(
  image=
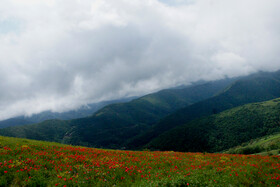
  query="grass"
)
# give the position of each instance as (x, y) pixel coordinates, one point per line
(268, 145)
(26, 162)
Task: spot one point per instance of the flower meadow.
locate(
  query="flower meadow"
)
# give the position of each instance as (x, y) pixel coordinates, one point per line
(34, 163)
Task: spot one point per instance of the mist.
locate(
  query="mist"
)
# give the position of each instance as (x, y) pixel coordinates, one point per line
(61, 54)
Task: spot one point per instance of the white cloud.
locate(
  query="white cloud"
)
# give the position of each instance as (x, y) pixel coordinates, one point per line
(60, 54)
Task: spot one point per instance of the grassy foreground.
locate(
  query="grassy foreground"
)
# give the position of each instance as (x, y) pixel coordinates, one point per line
(35, 163)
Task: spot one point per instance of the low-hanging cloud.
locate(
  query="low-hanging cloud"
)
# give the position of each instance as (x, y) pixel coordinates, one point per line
(60, 54)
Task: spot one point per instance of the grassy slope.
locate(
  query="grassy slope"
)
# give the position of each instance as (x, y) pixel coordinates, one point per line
(112, 125)
(268, 145)
(26, 162)
(255, 88)
(224, 130)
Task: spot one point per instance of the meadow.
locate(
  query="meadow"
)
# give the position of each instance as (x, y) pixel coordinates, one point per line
(26, 162)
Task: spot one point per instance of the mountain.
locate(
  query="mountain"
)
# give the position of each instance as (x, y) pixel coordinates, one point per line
(72, 114)
(49, 130)
(254, 88)
(224, 130)
(152, 119)
(113, 125)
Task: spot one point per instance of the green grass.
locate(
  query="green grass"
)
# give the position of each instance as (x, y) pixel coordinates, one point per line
(268, 145)
(26, 162)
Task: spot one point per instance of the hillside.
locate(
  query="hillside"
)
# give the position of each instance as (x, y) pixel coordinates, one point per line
(224, 130)
(112, 125)
(26, 162)
(255, 88)
(47, 115)
(268, 145)
(50, 130)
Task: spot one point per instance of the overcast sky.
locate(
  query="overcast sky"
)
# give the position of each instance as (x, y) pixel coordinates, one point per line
(60, 54)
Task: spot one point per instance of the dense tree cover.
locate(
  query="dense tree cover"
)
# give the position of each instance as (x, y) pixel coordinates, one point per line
(50, 130)
(254, 88)
(113, 125)
(47, 115)
(224, 130)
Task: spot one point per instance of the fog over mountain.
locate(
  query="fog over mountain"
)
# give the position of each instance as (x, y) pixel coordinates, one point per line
(60, 54)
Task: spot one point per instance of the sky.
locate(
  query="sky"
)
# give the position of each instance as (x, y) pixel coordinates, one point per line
(62, 54)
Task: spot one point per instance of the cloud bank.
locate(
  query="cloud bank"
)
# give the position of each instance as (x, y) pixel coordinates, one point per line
(60, 54)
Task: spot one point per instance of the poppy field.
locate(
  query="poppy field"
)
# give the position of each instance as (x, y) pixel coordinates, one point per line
(35, 163)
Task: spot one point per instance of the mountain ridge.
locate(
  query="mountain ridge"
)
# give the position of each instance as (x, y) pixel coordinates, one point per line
(254, 88)
(112, 125)
(48, 115)
(138, 123)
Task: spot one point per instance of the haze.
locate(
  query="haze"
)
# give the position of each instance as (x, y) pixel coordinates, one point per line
(61, 54)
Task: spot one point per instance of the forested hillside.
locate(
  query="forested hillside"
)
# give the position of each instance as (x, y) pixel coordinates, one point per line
(224, 130)
(149, 121)
(254, 88)
(47, 115)
(113, 125)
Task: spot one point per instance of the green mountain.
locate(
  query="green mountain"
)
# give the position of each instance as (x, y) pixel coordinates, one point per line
(172, 119)
(50, 130)
(224, 130)
(254, 88)
(113, 125)
(47, 115)
(267, 145)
